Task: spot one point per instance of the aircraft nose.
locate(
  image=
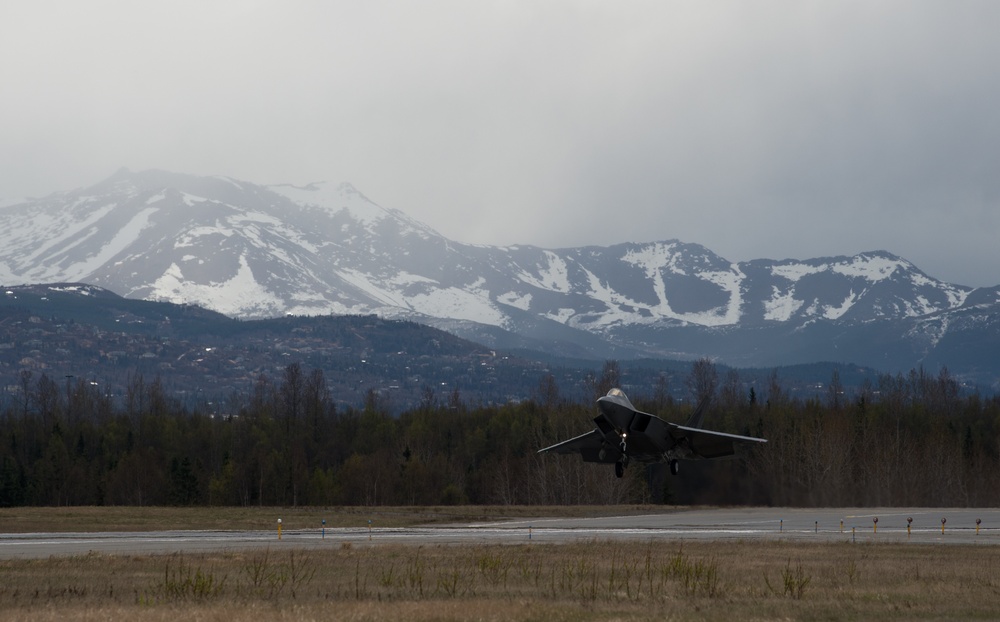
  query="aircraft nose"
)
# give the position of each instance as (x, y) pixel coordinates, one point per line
(619, 416)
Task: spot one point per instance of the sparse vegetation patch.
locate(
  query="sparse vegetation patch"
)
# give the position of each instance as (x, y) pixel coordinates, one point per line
(594, 580)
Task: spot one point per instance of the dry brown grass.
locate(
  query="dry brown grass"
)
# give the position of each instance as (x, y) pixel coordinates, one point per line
(580, 581)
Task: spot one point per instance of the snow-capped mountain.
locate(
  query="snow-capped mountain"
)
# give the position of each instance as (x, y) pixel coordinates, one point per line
(255, 251)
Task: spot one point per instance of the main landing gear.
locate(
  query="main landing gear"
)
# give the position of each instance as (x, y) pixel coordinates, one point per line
(620, 468)
(674, 467)
(621, 464)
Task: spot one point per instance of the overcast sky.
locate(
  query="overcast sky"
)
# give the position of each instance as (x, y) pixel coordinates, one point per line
(758, 129)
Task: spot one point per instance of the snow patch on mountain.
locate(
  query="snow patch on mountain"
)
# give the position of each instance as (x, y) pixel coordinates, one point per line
(563, 316)
(83, 290)
(930, 331)
(7, 275)
(552, 276)
(404, 279)
(730, 282)
(327, 195)
(872, 269)
(794, 272)
(191, 200)
(122, 239)
(514, 299)
(232, 296)
(622, 309)
(780, 307)
(956, 295)
(459, 304)
(192, 237)
(831, 312)
(653, 258)
(363, 282)
(52, 232)
(922, 306)
(613, 301)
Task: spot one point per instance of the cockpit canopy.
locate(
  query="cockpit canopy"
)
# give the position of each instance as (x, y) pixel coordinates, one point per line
(617, 397)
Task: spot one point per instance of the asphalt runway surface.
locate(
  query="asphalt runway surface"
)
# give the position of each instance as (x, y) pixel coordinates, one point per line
(819, 525)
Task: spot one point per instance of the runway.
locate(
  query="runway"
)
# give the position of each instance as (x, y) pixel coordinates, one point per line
(821, 525)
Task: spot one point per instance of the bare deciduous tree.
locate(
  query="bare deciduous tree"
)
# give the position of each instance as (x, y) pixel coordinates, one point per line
(703, 380)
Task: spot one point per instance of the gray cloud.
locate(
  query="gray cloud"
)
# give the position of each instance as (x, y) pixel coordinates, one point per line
(774, 129)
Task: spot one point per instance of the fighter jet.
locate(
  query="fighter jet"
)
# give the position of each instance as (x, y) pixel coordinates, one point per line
(624, 434)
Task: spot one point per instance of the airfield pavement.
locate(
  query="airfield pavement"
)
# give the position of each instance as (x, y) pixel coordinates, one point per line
(826, 524)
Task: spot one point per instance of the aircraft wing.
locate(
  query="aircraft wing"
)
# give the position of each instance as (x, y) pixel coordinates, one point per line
(588, 445)
(707, 444)
(590, 440)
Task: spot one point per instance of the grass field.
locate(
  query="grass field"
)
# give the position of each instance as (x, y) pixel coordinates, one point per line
(596, 580)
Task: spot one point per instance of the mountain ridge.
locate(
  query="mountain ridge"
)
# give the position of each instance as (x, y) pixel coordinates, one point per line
(254, 251)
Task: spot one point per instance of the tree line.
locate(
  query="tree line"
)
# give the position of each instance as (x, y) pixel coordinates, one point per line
(912, 439)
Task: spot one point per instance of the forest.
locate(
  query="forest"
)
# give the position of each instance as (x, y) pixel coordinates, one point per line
(909, 439)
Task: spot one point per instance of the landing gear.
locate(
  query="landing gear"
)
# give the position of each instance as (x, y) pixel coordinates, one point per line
(674, 467)
(621, 464)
